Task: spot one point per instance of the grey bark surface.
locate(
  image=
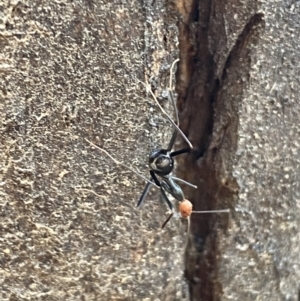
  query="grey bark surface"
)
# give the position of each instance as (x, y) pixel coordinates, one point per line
(69, 226)
(74, 70)
(240, 109)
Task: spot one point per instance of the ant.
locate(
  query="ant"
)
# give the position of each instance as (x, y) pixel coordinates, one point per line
(161, 165)
(161, 162)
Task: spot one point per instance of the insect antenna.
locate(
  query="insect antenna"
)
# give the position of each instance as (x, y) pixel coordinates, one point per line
(120, 163)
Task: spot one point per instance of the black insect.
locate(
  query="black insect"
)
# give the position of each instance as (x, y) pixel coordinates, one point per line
(161, 161)
(161, 164)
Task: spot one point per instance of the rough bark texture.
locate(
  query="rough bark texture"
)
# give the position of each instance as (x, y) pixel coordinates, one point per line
(238, 98)
(71, 71)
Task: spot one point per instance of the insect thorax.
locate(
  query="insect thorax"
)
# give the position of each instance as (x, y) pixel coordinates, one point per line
(161, 162)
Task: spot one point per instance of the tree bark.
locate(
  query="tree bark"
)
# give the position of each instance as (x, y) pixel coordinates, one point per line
(74, 72)
(237, 95)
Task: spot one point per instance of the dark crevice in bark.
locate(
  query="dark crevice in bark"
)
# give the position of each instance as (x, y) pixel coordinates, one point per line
(242, 41)
(206, 68)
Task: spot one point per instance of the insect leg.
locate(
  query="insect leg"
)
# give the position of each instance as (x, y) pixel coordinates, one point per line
(166, 221)
(147, 187)
(183, 181)
(118, 162)
(172, 99)
(171, 96)
(168, 116)
(173, 138)
(213, 211)
(166, 199)
(179, 152)
(144, 194)
(154, 177)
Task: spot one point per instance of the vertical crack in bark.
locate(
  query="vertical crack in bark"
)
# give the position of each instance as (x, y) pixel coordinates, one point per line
(210, 83)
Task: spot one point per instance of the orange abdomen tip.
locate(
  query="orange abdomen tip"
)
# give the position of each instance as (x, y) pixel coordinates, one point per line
(185, 208)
